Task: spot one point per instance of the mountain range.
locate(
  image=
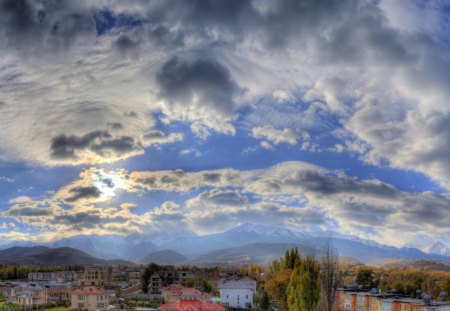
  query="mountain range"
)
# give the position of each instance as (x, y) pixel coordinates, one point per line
(243, 244)
(46, 256)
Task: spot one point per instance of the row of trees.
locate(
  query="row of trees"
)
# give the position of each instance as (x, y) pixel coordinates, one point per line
(12, 272)
(304, 284)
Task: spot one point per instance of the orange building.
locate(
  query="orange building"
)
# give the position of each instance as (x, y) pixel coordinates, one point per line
(353, 300)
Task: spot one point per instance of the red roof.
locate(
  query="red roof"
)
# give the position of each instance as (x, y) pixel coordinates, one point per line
(90, 290)
(191, 305)
(178, 290)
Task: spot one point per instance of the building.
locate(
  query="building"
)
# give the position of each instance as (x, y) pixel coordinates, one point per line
(52, 277)
(351, 300)
(176, 292)
(89, 298)
(28, 295)
(95, 276)
(237, 290)
(191, 305)
(161, 279)
(59, 292)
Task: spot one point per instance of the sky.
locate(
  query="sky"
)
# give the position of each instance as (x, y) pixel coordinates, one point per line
(193, 117)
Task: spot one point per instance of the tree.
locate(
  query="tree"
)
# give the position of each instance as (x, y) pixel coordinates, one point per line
(329, 277)
(148, 272)
(276, 287)
(303, 292)
(365, 278)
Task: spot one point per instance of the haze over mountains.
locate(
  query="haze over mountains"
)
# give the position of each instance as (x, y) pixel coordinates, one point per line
(246, 243)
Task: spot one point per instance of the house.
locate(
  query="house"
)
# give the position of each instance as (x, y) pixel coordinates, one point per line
(89, 298)
(160, 279)
(191, 305)
(237, 290)
(28, 295)
(175, 292)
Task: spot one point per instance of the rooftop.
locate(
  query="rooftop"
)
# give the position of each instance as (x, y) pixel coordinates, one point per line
(90, 290)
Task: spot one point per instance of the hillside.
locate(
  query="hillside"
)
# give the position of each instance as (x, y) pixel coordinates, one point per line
(164, 257)
(46, 256)
(251, 253)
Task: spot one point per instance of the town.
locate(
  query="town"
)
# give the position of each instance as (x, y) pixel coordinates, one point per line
(254, 287)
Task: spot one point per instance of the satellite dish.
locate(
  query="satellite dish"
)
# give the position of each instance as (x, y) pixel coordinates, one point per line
(373, 291)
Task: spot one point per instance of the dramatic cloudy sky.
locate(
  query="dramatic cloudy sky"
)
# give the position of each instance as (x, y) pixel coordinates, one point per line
(172, 116)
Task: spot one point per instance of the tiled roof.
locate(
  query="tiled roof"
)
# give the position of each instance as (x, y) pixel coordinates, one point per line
(191, 305)
(90, 290)
(181, 291)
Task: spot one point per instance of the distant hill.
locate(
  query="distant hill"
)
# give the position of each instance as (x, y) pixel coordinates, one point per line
(164, 257)
(423, 264)
(251, 253)
(46, 256)
(136, 247)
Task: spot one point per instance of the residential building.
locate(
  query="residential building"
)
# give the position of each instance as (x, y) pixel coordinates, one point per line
(59, 292)
(175, 292)
(52, 277)
(237, 290)
(28, 294)
(89, 298)
(351, 300)
(191, 305)
(161, 279)
(96, 276)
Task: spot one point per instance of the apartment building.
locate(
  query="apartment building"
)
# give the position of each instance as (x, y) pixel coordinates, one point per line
(52, 277)
(95, 276)
(237, 290)
(89, 298)
(28, 295)
(350, 300)
(161, 279)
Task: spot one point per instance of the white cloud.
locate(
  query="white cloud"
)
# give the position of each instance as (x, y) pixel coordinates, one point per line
(275, 136)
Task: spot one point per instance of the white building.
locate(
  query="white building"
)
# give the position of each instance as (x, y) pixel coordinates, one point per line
(237, 291)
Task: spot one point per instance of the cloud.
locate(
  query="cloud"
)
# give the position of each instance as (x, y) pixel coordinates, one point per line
(201, 91)
(296, 195)
(78, 193)
(275, 136)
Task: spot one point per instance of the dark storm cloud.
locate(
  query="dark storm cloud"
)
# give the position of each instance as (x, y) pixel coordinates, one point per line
(79, 193)
(26, 211)
(223, 197)
(87, 220)
(115, 125)
(154, 134)
(206, 79)
(99, 142)
(26, 24)
(212, 177)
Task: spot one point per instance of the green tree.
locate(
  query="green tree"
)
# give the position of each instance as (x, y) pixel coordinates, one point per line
(303, 292)
(365, 278)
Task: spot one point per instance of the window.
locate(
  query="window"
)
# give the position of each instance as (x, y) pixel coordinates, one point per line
(80, 297)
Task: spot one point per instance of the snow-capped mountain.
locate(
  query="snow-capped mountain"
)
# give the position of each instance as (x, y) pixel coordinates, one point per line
(136, 246)
(439, 248)
(268, 231)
